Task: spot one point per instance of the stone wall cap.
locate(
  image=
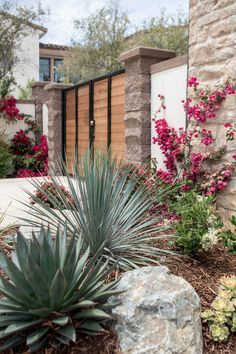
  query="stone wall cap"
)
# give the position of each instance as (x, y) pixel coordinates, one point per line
(146, 52)
(29, 101)
(169, 64)
(40, 83)
(55, 86)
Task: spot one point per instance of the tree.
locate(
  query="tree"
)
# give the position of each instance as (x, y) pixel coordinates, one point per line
(168, 31)
(14, 24)
(101, 40)
(104, 35)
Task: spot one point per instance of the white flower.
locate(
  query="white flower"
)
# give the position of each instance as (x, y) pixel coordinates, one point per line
(212, 219)
(200, 198)
(210, 239)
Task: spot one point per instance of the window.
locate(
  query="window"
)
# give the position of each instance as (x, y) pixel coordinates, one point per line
(58, 74)
(44, 69)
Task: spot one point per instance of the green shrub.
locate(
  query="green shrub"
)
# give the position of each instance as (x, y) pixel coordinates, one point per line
(221, 317)
(5, 159)
(52, 289)
(197, 228)
(229, 237)
(108, 209)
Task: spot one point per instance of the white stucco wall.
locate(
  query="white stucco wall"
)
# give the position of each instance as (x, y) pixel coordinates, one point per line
(45, 119)
(10, 129)
(27, 63)
(171, 83)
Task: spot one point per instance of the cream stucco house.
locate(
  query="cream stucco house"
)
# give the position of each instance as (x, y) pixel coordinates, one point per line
(36, 61)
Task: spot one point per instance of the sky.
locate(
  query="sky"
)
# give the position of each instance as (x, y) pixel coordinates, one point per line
(60, 22)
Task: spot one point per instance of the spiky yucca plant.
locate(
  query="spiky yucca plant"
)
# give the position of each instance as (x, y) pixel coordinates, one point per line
(52, 290)
(108, 208)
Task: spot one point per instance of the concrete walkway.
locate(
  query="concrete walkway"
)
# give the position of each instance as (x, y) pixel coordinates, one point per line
(12, 195)
(11, 192)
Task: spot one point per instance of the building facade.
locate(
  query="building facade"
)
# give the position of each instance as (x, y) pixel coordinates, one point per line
(37, 61)
(51, 58)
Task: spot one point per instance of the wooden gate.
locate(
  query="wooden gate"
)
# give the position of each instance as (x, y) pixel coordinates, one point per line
(93, 115)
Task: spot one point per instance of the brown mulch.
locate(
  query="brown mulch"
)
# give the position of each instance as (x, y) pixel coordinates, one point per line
(101, 344)
(204, 275)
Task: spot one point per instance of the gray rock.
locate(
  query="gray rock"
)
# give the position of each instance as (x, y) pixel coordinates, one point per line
(158, 313)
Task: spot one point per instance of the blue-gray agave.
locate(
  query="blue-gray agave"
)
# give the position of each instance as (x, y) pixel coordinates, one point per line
(53, 289)
(108, 209)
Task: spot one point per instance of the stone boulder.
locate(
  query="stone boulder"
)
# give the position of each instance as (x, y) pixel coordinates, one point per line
(158, 313)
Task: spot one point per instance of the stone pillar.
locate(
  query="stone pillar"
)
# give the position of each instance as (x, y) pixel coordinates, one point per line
(40, 98)
(137, 64)
(212, 59)
(54, 103)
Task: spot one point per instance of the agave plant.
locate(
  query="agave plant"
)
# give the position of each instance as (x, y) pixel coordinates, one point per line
(53, 290)
(108, 209)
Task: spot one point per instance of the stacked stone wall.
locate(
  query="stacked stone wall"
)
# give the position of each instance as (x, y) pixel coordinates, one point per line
(212, 58)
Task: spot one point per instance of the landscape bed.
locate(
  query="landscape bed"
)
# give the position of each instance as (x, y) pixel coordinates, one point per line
(203, 274)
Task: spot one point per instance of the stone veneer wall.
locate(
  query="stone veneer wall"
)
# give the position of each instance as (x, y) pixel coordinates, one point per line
(212, 58)
(137, 63)
(40, 96)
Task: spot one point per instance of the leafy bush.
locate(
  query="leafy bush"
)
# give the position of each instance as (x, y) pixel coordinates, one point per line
(49, 187)
(5, 158)
(108, 210)
(52, 289)
(229, 237)
(197, 228)
(221, 317)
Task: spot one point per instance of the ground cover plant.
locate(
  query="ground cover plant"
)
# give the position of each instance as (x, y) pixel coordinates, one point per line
(222, 314)
(107, 210)
(52, 291)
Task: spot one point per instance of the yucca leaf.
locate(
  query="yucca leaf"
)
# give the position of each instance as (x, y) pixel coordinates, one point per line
(38, 282)
(22, 252)
(57, 291)
(62, 321)
(103, 295)
(47, 261)
(36, 335)
(91, 326)
(68, 332)
(6, 320)
(43, 312)
(11, 292)
(81, 304)
(18, 327)
(35, 347)
(12, 342)
(92, 313)
(63, 340)
(60, 248)
(14, 273)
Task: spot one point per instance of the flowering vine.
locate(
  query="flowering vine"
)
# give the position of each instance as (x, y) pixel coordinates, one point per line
(177, 146)
(30, 159)
(10, 112)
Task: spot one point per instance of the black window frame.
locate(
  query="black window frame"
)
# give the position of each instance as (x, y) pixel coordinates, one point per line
(49, 60)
